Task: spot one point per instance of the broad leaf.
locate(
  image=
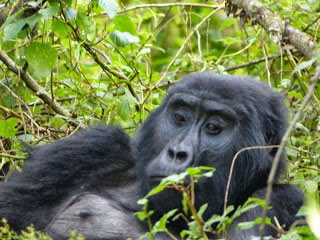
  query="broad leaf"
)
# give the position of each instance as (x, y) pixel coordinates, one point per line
(122, 39)
(49, 12)
(124, 24)
(11, 31)
(88, 24)
(8, 127)
(41, 58)
(126, 105)
(110, 7)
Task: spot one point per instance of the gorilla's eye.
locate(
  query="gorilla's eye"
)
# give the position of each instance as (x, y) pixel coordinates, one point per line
(179, 118)
(213, 128)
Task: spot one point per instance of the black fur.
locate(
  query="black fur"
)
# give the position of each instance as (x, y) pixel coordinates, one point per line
(99, 161)
(54, 172)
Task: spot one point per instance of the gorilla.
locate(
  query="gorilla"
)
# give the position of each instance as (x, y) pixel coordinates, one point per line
(92, 181)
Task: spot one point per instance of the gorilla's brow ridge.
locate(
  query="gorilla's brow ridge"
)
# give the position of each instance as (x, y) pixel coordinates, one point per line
(211, 107)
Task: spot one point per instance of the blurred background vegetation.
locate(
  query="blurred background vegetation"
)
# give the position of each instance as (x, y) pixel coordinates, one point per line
(113, 61)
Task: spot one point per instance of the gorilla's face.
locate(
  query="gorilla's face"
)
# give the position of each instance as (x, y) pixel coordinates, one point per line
(193, 131)
(204, 121)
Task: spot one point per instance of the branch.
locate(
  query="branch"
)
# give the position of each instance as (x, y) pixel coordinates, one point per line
(9, 9)
(279, 30)
(159, 5)
(32, 84)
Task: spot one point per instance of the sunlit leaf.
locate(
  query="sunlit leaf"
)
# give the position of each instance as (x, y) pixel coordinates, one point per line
(109, 6)
(41, 58)
(8, 127)
(125, 106)
(71, 13)
(160, 225)
(305, 64)
(124, 24)
(88, 24)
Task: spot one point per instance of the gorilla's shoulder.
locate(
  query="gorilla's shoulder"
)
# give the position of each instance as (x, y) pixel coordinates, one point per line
(95, 147)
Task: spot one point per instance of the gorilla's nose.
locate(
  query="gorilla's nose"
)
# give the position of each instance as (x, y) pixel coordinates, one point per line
(180, 154)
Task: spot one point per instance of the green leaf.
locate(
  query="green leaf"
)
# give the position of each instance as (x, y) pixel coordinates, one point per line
(227, 23)
(10, 19)
(34, 4)
(160, 225)
(124, 24)
(311, 186)
(142, 201)
(71, 13)
(8, 127)
(126, 105)
(175, 178)
(229, 40)
(33, 20)
(59, 28)
(49, 12)
(300, 126)
(41, 58)
(122, 39)
(110, 7)
(305, 64)
(11, 31)
(157, 189)
(202, 209)
(185, 203)
(88, 24)
(245, 225)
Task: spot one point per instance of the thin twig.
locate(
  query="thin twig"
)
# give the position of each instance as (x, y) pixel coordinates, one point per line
(159, 5)
(185, 43)
(180, 50)
(267, 63)
(232, 165)
(12, 156)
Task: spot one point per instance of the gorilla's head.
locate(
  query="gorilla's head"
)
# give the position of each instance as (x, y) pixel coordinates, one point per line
(205, 120)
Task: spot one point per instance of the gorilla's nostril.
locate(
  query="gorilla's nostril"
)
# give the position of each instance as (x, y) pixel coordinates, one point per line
(182, 156)
(171, 153)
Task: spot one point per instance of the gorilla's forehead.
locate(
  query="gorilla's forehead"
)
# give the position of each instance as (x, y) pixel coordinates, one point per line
(199, 104)
(213, 86)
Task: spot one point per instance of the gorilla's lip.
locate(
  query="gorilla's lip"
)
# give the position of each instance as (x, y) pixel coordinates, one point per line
(156, 179)
(160, 177)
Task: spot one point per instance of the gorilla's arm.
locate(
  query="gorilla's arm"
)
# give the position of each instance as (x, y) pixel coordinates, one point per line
(54, 184)
(286, 201)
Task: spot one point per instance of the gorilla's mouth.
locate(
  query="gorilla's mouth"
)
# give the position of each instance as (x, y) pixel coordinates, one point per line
(156, 179)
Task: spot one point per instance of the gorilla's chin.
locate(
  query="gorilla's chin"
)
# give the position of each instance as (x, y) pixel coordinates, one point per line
(166, 200)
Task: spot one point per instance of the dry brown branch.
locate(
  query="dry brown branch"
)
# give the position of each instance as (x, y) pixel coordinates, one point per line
(32, 84)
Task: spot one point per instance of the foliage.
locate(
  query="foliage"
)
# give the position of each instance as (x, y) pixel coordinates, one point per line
(199, 228)
(108, 61)
(30, 234)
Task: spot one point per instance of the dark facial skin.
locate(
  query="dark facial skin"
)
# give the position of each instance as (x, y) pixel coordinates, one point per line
(193, 128)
